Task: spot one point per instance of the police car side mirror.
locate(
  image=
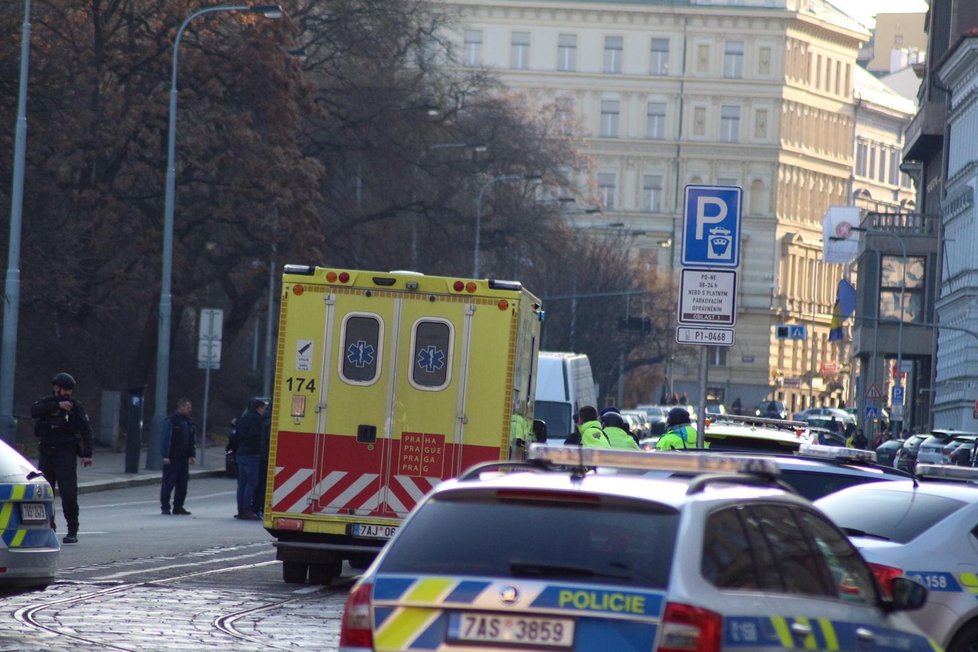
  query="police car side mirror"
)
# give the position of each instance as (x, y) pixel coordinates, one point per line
(907, 595)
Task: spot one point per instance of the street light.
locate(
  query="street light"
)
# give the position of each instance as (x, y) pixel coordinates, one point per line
(11, 304)
(475, 148)
(163, 336)
(478, 210)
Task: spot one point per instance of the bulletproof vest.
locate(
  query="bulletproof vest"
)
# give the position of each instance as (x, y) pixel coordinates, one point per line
(52, 424)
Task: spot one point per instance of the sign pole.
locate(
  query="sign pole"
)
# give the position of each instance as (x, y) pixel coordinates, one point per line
(701, 406)
(203, 427)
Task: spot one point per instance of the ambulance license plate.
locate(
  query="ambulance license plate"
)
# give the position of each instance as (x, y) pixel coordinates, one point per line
(33, 513)
(373, 531)
(511, 630)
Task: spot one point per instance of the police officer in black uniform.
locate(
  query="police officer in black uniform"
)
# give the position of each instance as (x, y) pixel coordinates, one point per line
(64, 434)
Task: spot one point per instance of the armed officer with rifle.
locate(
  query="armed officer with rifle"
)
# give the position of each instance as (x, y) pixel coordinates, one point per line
(64, 434)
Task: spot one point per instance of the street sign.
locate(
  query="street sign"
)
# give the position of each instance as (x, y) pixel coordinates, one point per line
(711, 226)
(708, 297)
(873, 393)
(702, 335)
(209, 344)
(872, 412)
(896, 412)
(896, 394)
(208, 354)
(790, 332)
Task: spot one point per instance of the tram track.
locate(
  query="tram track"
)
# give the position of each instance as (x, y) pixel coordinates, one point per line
(223, 624)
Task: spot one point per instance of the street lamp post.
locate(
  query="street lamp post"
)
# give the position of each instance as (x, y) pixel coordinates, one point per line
(475, 148)
(478, 210)
(163, 335)
(11, 304)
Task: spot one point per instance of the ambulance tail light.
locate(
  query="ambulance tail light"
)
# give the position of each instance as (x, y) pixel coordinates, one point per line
(884, 577)
(355, 632)
(690, 629)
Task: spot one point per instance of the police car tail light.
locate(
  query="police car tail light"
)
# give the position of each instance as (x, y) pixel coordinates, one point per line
(355, 629)
(690, 629)
(884, 577)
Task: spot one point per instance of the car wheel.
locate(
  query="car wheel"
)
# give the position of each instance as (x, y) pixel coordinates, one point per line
(294, 572)
(966, 640)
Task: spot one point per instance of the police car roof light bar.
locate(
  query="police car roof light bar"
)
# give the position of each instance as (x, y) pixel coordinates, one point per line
(645, 461)
(946, 472)
(786, 424)
(837, 453)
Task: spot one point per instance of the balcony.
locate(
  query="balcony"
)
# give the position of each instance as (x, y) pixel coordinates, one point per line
(925, 132)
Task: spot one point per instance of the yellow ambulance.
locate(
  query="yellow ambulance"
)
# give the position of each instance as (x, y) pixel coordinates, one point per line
(386, 383)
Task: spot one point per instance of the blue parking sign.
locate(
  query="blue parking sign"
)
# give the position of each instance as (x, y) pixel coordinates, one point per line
(711, 226)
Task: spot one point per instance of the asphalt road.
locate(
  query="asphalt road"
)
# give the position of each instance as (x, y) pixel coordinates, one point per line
(139, 580)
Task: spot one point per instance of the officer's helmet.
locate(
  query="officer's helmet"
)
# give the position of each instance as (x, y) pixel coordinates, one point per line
(64, 381)
(677, 416)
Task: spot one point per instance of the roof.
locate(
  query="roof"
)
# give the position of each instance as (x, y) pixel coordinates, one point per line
(869, 88)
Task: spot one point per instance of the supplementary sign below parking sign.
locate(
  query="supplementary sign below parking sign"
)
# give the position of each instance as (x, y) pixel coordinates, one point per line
(704, 335)
(303, 355)
(708, 297)
(711, 226)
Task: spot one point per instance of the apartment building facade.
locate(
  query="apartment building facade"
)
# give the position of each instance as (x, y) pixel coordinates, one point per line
(755, 93)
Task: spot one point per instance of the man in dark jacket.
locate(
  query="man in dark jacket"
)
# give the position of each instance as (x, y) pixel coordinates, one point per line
(64, 434)
(245, 443)
(179, 450)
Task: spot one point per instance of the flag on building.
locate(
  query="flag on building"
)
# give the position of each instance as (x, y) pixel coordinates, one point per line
(845, 305)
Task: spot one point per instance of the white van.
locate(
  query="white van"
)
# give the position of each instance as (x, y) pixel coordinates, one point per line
(564, 385)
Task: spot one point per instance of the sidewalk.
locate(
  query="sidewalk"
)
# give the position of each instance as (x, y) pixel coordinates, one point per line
(108, 470)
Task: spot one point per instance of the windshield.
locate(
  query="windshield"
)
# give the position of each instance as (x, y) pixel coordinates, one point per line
(585, 542)
(557, 416)
(898, 516)
(13, 466)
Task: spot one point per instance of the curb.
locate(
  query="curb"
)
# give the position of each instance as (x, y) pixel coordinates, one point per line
(91, 486)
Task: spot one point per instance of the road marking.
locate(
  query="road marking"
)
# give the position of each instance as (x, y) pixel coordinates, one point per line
(157, 502)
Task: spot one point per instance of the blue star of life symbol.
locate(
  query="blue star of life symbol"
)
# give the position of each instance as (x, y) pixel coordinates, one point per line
(431, 358)
(360, 354)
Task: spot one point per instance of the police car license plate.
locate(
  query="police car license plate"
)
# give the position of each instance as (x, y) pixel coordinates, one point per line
(373, 531)
(512, 630)
(33, 513)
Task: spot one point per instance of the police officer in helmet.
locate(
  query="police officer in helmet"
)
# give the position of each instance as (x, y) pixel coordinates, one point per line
(64, 434)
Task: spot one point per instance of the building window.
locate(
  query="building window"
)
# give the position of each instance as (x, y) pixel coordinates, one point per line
(699, 121)
(473, 47)
(733, 60)
(871, 172)
(652, 192)
(881, 173)
(717, 356)
(609, 118)
(862, 154)
(565, 115)
(520, 54)
(655, 121)
(894, 167)
(659, 62)
(567, 52)
(613, 46)
(606, 189)
(730, 124)
(891, 286)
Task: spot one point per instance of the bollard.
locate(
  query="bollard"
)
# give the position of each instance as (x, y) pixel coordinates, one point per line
(134, 427)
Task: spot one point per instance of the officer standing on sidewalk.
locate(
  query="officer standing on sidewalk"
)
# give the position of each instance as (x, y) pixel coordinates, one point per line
(179, 451)
(64, 434)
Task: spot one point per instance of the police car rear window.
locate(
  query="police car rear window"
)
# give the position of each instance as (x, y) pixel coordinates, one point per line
(888, 515)
(584, 542)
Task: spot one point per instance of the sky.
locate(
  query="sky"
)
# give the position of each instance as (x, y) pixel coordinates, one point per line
(864, 10)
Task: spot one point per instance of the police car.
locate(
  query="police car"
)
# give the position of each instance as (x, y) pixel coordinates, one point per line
(725, 560)
(924, 530)
(29, 549)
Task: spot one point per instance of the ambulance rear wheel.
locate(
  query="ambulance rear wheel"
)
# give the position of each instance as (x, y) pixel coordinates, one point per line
(325, 573)
(294, 572)
(360, 562)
